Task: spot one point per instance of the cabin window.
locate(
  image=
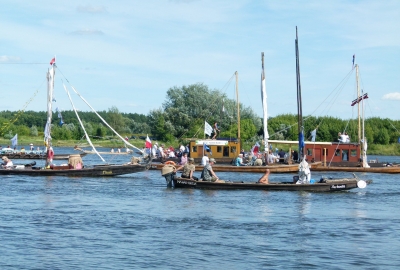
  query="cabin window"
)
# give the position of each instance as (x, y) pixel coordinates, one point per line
(353, 153)
(194, 149)
(226, 151)
(233, 149)
(337, 152)
(345, 155)
(309, 151)
(219, 149)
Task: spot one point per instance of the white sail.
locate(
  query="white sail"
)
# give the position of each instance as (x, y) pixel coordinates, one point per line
(50, 88)
(264, 103)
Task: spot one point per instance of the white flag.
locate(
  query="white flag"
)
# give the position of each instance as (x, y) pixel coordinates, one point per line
(207, 128)
(313, 135)
(14, 140)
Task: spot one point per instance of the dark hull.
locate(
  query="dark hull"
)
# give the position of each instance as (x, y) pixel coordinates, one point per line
(37, 156)
(274, 168)
(327, 186)
(92, 171)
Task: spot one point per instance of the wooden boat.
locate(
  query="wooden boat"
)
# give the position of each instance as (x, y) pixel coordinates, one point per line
(387, 169)
(38, 156)
(75, 166)
(86, 171)
(274, 168)
(324, 185)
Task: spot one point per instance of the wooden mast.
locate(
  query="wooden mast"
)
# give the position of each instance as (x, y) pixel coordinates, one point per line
(237, 102)
(299, 105)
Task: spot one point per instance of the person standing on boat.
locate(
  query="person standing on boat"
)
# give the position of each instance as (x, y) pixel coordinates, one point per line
(188, 170)
(204, 160)
(264, 178)
(215, 130)
(7, 163)
(208, 173)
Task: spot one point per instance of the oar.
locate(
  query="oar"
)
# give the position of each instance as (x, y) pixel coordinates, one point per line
(360, 183)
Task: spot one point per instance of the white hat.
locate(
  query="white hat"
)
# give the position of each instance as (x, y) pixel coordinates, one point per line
(31, 144)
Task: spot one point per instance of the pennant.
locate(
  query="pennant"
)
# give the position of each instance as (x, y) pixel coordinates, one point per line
(53, 61)
(207, 128)
(354, 56)
(301, 140)
(14, 140)
(148, 142)
(313, 135)
(255, 149)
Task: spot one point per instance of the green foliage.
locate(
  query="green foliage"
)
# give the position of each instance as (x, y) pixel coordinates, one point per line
(33, 131)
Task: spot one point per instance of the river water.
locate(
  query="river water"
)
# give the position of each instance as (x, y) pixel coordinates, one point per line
(134, 221)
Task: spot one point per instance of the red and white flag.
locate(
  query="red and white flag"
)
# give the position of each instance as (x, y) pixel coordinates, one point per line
(148, 142)
(255, 149)
(53, 61)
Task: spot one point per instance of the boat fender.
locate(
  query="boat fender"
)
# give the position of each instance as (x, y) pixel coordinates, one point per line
(167, 169)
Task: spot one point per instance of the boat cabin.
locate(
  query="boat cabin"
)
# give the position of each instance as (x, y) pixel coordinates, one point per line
(220, 148)
(329, 153)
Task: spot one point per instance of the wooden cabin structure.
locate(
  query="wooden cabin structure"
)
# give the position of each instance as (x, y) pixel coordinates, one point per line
(222, 149)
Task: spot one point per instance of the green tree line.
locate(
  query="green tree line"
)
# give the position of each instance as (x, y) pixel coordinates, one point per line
(182, 116)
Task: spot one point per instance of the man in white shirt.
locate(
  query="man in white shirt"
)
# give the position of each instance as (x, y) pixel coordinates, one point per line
(204, 160)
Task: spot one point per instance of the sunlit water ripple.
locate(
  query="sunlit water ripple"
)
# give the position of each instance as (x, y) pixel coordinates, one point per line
(134, 221)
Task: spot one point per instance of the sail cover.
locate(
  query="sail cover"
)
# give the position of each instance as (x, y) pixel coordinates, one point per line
(264, 104)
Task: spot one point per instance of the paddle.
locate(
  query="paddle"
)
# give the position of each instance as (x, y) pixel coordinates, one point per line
(360, 183)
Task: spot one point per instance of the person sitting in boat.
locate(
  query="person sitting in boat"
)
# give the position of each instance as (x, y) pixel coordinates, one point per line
(7, 163)
(208, 173)
(188, 170)
(184, 159)
(22, 150)
(281, 155)
(239, 160)
(271, 157)
(264, 178)
(304, 172)
(258, 161)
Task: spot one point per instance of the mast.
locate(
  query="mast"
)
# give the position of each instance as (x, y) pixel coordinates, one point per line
(299, 105)
(358, 106)
(237, 101)
(50, 88)
(264, 104)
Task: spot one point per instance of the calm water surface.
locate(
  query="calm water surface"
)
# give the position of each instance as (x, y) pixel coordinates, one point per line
(134, 221)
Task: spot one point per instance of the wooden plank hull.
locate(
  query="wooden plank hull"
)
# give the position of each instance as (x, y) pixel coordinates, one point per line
(90, 171)
(39, 156)
(277, 168)
(392, 169)
(327, 186)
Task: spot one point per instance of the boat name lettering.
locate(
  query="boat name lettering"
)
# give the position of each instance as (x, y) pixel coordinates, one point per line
(184, 182)
(338, 186)
(107, 172)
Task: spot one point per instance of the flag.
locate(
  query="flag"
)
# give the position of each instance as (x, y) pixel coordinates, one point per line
(148, 142)
(14, 140)
(255, 149)
(354, 57)
(207, 148)
(207, 128)
(53, 61)
(301, 140)
(313, 135)
(357, 100)
(223, 107)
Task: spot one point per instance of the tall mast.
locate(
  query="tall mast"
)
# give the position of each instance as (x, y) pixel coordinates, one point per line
(50, 89)
(358, 106)
(238, 105)
(264, 103)
(299, 105)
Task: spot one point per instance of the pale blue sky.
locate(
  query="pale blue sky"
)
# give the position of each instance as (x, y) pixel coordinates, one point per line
(129, 53)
